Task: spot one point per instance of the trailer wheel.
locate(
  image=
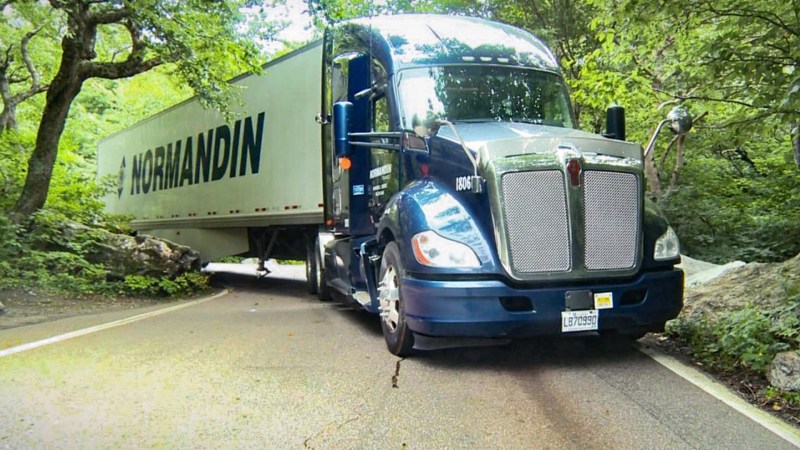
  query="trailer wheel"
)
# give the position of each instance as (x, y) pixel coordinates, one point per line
(399, 338)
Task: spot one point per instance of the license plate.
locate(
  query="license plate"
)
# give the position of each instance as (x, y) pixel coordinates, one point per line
(572, 321)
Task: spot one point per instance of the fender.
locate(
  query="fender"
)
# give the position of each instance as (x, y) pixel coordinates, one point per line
(431, 205)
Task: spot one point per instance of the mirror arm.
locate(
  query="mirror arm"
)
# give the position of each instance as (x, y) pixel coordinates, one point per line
(652, 142)
(477, 187)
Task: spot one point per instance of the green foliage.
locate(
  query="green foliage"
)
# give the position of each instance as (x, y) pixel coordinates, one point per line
(774, 394)
(291, 262)
(41, 255)
(727, 209)
(749, 338)
(737, 195)
(146, 286)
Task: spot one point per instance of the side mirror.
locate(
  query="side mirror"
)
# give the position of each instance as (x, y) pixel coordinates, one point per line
(680, 121)
(615, 122)
(427, 126)
(341, 128)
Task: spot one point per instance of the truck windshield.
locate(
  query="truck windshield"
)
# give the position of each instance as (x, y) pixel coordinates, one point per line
(475, 93)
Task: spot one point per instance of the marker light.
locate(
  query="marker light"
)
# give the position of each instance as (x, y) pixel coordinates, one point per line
(574, 169)
(345, 163)
(432, 250)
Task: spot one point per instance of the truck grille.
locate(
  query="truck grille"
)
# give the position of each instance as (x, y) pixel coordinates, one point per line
(611, 220)
(537, 224)
(537, 221)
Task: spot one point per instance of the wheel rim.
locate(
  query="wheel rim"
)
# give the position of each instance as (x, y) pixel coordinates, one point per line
(389, 296)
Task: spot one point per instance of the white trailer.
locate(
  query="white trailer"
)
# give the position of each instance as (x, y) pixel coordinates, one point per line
(189, 176)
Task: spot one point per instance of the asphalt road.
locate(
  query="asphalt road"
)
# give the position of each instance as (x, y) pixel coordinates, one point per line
(269, 366)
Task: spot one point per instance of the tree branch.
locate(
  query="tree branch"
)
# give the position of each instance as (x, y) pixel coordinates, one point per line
(107, 17)
(763, 16)
(6, 59)
(26, 58)
(744, 121)
(721, 100)
(133, 65)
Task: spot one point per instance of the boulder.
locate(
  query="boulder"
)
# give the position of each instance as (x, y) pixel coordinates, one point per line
(758, 284)
(2, 308)
(124, 255)
(142, 255)
(784, 372)
(699, 272)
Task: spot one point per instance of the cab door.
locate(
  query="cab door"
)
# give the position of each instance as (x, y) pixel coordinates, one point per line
(349, 182)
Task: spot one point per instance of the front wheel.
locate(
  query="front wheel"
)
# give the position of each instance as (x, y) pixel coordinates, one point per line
(399, 338)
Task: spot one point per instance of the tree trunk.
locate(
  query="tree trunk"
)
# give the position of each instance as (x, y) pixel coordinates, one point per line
(62, 91)
(651, 174)
(8, 118)
(679, 161)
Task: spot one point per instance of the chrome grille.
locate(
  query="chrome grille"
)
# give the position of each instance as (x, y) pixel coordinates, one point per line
(611, 220)
(537, 224)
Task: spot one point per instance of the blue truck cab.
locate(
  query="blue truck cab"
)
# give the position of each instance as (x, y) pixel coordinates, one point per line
(462, 200)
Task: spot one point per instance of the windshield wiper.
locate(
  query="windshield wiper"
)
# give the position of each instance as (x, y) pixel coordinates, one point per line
(523, 120)
(473, 120)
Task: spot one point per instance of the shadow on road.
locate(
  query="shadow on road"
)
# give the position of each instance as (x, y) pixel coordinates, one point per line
(552, 352)
(564, 352)
(296, 287)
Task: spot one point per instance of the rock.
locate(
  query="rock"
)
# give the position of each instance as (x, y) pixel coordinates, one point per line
(142, 255)
(124, 255)
(757, 284)
(692, 266)
(701, 272)
(784, 372)
(2, 308)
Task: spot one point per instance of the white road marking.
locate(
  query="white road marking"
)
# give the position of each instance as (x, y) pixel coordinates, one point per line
(720, 392)
(105, 326)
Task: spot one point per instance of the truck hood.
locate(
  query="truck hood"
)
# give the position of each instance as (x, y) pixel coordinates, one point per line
(493, 140)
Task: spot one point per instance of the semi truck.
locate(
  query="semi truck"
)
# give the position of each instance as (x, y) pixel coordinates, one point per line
(428, 169)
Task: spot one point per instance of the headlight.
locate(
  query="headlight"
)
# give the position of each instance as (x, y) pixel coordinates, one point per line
(667, 246)
(432, 250)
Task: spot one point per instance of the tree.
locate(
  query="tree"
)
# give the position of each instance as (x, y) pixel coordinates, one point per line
(731, 190)
(10, 75)
(197, 36)
(738, 59)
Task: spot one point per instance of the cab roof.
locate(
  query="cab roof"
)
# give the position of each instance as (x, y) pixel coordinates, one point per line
(425, 39)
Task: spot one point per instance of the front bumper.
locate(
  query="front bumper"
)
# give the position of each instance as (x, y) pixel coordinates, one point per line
(476, 308)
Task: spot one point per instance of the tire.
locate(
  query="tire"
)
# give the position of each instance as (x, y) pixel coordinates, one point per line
(312, 281)
(399, 338)
(321, 288)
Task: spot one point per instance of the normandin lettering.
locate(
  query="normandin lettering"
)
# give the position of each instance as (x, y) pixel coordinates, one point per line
(216, 155)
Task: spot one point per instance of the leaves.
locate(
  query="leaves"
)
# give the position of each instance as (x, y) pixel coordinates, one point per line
(748, 338)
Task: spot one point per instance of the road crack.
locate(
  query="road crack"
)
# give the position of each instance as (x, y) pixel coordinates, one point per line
(334, 427)
(396, 376)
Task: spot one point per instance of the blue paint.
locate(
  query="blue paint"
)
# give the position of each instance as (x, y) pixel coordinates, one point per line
(473, 308)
